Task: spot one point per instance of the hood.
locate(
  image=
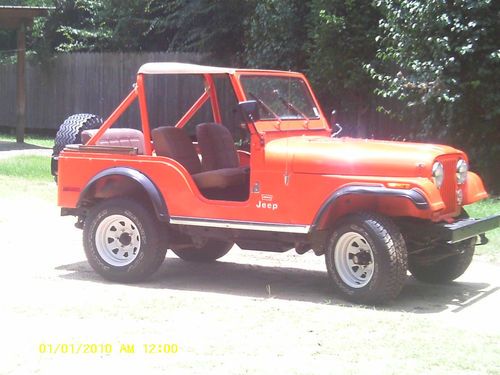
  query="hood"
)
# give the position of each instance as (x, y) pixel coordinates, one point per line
(356, 157)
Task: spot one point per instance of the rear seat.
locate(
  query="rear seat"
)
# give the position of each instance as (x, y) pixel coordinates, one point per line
(117, 137)
(175, 143)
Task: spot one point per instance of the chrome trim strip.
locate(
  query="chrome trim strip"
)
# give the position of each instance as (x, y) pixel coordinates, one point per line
(234, 224)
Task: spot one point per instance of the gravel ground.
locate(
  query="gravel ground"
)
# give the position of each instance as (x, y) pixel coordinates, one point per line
(249, 313)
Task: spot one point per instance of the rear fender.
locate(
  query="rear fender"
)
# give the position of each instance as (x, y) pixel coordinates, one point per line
(122, 181)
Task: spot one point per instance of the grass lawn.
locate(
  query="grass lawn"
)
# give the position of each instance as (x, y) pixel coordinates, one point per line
(36, 140)
(483, 209)
(27, 167)
(27, 175)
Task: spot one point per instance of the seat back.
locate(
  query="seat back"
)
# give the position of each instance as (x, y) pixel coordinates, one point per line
(117, 137)
(216, 147)
(174, 143)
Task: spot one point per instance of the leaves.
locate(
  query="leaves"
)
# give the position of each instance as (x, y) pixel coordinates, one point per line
(275, 36)
(433, 65)
(440, 58)
(341, 42)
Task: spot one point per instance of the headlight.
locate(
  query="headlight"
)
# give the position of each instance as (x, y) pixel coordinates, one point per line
(438, 174)
(462, 169)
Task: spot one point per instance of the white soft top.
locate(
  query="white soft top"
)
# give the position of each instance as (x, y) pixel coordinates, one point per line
(181, 68)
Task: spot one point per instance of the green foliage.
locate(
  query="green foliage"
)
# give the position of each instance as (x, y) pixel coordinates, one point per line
(210, 26)
(31, 3)
(276, 35)
(129, 23)
(8, 42)
(77, 25)
(433, 64)
(136, 25)
(442, 60)
(342, 39)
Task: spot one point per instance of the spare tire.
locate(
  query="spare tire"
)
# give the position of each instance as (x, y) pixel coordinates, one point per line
(70, 133)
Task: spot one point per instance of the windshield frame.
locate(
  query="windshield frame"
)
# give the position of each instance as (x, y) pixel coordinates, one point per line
(318, 122)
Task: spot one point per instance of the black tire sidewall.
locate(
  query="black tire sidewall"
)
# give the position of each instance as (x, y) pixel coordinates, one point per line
(386, 281)
(448, 269)
(150, 252)
(70, 130)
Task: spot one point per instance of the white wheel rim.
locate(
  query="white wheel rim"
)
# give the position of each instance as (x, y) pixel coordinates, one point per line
(353, 258)
(118, 240)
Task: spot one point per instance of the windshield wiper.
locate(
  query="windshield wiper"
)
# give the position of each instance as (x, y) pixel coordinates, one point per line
(266, 107)
(292, 107)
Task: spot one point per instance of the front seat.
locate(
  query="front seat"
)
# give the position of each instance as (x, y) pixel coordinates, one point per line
(218, 151)
(174, 143)
(216, 147)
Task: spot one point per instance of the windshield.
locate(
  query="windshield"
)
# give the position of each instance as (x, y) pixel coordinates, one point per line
(283, 98)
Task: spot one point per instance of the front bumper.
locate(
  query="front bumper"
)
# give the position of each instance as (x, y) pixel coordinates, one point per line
(467, 228)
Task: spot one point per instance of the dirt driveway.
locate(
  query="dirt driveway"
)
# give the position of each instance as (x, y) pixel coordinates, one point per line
(249, 313)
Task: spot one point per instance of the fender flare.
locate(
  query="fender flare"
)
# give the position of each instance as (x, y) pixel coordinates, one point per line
(145, 182)
(413, 195)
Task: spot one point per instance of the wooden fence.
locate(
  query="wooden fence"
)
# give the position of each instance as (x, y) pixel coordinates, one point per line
(95, 83)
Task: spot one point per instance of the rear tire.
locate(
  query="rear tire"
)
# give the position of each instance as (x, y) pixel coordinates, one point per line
(71, 129)
(70, 133)
(366, 259)
(447, 269)
(123, 240)
(210, 251)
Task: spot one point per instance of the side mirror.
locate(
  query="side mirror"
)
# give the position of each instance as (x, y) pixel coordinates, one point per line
(333, 118)
(250, 110)
(334, 124)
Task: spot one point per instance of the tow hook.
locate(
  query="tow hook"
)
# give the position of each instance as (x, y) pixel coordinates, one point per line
(484, 239)
(79, 222)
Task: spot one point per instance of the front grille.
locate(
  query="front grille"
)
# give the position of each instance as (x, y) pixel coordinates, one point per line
(449, 188)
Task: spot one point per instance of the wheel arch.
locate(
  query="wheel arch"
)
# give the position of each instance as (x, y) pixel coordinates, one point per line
(370, 198)
(123, 181)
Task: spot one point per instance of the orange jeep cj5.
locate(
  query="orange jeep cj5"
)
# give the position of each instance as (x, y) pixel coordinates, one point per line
(266, 171)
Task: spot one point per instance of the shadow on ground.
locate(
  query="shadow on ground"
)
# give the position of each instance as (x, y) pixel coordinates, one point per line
(290, 284)
(14, 146)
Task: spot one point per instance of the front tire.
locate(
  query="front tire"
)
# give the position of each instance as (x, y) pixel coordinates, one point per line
(448, 269)
(366, 259)
(209, 251)
(122, 240)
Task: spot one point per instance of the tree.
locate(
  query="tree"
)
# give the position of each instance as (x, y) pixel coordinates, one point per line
(209, 26)
(342, 40)
(91, 25)
(213, 27)
(276, 35)
(442, 60)
(8, 42)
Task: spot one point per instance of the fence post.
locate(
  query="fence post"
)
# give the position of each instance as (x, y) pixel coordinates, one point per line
(21, 83)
